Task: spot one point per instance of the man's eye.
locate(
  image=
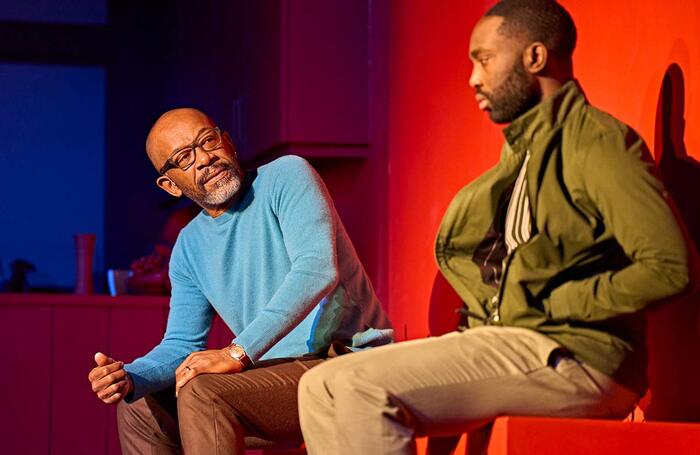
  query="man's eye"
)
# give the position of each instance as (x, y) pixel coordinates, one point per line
(208, 142)
(184, 157)
(483, 61)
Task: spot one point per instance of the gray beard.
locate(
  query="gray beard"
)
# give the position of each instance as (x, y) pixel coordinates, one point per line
(225, 189)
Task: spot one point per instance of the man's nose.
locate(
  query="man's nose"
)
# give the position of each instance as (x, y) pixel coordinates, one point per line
(205, 158)
(475, 78)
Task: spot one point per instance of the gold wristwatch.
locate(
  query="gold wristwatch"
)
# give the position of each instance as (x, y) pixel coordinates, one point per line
(237, 352)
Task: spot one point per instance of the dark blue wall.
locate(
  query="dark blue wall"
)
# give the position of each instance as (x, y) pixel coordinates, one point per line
(52, 162)
(55, 11)
(85, 80)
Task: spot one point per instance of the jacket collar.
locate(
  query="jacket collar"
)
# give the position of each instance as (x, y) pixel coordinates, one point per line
(544, 118)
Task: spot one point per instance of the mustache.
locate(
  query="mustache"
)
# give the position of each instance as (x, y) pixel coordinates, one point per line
(215, 168)
(482, 93)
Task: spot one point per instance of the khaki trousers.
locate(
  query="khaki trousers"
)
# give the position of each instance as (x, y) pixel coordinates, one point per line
(377, 401)
(218, 413)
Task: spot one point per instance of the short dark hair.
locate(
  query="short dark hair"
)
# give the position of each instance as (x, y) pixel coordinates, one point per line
(538, 20)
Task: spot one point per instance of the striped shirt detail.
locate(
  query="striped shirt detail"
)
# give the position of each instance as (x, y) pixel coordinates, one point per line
(518, 228)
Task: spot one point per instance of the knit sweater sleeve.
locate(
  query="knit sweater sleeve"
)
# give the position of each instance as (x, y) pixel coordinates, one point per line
(189, 321)
(308, 223)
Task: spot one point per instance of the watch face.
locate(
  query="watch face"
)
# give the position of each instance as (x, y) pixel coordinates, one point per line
(236, 352)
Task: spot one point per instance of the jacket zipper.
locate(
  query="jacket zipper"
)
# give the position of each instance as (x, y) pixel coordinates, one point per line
(495, 303)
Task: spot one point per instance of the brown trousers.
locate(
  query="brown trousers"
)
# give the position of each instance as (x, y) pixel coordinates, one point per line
(218, 413)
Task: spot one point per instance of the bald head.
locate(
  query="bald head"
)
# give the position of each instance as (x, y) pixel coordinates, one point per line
(212, 176)
(172, 129)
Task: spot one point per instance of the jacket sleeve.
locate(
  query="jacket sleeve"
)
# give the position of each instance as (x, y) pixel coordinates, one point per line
(619, 179)
(308, 223)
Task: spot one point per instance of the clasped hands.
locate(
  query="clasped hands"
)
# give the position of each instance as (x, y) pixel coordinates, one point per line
(111, 383)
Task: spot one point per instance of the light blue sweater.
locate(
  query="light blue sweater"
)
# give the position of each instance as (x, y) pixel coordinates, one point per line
(278, 268)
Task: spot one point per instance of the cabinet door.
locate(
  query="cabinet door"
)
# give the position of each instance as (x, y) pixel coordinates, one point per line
(78, 418)
(324, 72)
(25, 379)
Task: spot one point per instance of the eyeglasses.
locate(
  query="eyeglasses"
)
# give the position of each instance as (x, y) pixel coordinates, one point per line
(208, 140)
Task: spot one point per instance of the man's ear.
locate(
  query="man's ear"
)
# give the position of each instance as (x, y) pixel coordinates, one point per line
(168, 186)
(535, 57)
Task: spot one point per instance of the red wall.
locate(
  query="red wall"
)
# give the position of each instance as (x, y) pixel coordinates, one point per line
(438, 141)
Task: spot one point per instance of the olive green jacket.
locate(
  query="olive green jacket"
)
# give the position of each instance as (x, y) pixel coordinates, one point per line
(605, 241)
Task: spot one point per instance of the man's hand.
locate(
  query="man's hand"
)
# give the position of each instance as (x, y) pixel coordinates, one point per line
(110, 382)
(210, 361)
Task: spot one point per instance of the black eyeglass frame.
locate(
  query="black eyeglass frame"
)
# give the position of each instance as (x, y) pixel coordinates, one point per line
(197, 143)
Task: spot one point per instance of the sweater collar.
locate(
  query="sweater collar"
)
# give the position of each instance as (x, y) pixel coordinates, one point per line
(545, 117)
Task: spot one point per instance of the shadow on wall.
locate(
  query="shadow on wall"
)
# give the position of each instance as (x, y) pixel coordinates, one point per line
(443, 316)
(674, 328)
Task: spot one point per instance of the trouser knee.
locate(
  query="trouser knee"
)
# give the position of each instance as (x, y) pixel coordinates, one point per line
(194, 401)
(145, 427)
(309, 383)
(317, 381)
(199, 401)
(131, 416)
(326, 382)
(208, 421)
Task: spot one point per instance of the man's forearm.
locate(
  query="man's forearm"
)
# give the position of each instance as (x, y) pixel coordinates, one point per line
(300, 292)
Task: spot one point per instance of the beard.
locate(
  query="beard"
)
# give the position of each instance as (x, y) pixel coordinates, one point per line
(225, 188)
(515, 96)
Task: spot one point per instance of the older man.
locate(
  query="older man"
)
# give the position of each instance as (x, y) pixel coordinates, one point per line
(555, 252)
(269, 255)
